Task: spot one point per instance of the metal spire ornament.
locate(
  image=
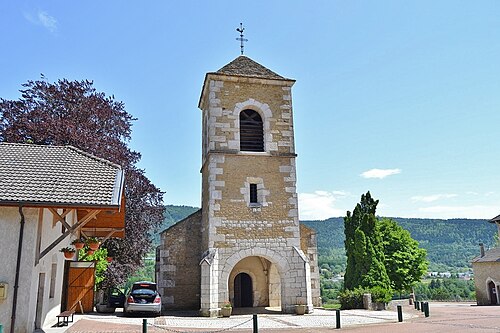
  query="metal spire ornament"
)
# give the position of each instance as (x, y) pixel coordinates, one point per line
(241, 39)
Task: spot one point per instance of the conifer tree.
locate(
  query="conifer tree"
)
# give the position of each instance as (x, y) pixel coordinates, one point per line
(364, 247)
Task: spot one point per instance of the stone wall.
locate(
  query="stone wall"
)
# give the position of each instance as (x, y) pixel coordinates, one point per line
(228, 96)
(485, 272)
(308, 244)
(179, 264)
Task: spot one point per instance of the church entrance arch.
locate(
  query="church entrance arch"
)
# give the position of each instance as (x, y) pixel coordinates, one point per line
(254, 282)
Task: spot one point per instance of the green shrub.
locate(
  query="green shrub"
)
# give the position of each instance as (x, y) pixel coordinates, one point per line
(351, 299)
(381, 295)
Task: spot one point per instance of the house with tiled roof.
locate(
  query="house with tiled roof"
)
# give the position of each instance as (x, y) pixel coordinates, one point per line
(245, 246)
(486, 268)
(49, 196)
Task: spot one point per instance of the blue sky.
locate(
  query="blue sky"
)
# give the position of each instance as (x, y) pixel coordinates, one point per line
(401, 98)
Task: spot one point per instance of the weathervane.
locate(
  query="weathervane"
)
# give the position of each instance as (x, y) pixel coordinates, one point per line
(241, 39)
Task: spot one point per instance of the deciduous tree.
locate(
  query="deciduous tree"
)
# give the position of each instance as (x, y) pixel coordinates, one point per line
(74, 113)
(405, 261)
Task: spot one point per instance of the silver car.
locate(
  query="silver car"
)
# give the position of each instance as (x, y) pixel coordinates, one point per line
(143, 297)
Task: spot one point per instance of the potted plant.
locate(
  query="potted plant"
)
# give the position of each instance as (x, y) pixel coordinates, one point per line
(90, 252)
(69, 252)
(93, 243)
(300, 309)
(78, 243)
(109, 259)
(226, 310)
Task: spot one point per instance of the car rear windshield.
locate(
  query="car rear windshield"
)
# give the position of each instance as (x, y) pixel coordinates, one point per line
(143, 292)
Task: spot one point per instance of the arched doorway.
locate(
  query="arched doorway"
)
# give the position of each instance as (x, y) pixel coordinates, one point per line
(492, 291)
(254, 282)
(243, 291)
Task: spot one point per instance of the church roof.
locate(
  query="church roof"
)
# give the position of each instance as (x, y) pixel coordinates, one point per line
(244, 66)
(492, 255)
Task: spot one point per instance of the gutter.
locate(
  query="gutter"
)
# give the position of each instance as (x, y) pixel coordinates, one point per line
(18, 269)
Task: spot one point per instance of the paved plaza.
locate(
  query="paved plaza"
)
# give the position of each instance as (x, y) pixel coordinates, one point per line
(444, 317)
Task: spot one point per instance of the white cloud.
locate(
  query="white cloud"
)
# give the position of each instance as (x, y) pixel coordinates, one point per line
(380, 173)
(433, 197)
(320, 205)
(449, 212)
(44, 19)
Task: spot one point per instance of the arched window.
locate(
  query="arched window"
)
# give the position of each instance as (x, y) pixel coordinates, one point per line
(251, 131)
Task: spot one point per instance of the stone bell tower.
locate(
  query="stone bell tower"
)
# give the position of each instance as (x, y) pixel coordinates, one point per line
(252, 254)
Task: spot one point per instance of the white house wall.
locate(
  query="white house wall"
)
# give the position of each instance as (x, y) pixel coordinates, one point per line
(29, 273)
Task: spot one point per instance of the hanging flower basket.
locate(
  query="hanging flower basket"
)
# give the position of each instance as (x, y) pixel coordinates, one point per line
(78, 244)
(93, 243)
(68, 252)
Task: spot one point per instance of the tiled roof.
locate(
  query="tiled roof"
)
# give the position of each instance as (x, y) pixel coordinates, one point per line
(58, 176)
(244, 66)
(495, 219)
(492, 255)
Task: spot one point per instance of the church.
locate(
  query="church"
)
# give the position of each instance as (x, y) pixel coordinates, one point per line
(245, 246)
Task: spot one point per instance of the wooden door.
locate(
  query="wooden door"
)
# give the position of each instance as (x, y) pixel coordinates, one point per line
(243, 291)
(80, 284)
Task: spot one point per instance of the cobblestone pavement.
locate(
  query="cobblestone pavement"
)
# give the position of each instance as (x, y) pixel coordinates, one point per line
(445, 317)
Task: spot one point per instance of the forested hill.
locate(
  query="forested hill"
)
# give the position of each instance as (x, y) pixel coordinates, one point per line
(449, 243)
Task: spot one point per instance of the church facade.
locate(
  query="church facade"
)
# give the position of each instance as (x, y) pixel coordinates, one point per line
(245, 245)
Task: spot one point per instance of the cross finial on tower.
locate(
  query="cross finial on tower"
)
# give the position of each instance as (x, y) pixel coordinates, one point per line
(241, 39)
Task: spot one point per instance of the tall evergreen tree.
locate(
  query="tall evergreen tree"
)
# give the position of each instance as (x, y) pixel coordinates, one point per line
(364, 247)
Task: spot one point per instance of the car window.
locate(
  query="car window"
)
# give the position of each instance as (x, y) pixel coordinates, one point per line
(148, 292)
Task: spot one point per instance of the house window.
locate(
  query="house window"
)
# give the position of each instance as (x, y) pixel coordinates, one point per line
(251, 131)
(253, 193)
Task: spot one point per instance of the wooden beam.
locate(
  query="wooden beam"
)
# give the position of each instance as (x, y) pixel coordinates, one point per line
(61, 217)
(78, 225)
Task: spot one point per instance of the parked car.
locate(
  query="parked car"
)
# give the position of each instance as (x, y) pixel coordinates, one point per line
(143, 297)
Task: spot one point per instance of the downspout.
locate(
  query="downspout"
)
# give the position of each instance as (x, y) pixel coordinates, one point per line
(18, 268)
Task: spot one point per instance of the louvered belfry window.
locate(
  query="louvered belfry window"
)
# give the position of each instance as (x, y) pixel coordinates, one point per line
(251, 131)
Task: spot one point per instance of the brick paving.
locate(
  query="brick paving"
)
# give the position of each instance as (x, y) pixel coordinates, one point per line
(444, 317)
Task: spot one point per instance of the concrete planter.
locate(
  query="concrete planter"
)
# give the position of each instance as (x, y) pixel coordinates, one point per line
(300, 309)
(226, 311)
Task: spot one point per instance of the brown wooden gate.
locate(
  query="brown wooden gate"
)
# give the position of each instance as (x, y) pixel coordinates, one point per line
(80, 286)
